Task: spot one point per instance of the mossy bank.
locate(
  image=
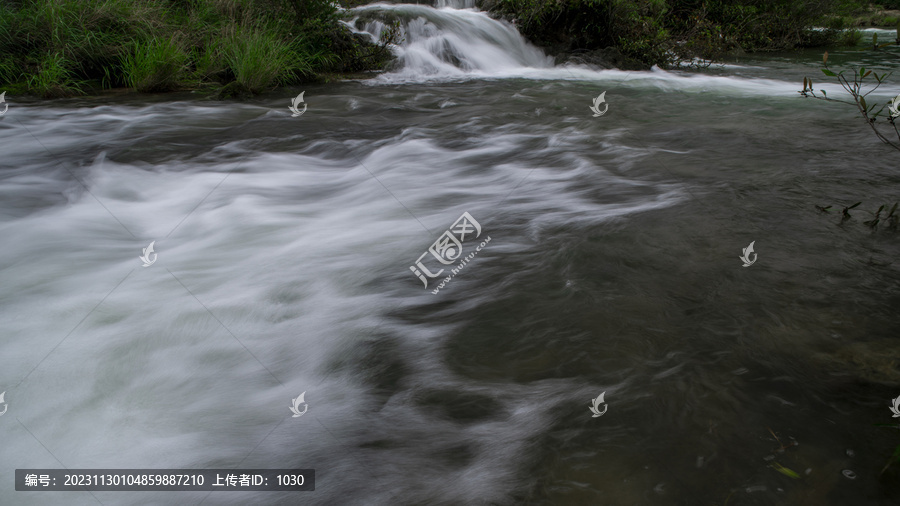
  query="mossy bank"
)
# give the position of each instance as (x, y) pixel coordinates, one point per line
(55, 48)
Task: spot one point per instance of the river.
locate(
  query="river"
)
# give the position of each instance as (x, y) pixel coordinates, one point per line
(599, 255)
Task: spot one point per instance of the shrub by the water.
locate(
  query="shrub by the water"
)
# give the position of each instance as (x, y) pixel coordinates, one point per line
(851, 37)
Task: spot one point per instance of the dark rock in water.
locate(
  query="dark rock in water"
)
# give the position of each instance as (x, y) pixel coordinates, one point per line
(236, 90)
(606, 58)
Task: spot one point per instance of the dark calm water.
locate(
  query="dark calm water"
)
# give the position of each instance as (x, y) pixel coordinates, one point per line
(284, 250)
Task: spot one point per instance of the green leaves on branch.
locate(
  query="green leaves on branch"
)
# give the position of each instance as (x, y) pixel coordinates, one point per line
(853, 84)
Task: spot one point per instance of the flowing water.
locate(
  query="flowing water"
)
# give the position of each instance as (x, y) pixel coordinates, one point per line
(285, 246)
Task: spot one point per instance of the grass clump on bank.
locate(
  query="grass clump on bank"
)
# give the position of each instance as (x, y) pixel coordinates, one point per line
(666, 32)
(157, 64)
(64, 47)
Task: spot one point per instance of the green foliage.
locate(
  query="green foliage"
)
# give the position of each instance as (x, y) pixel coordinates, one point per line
(850, 37)
(53, 78)
(259, 59)
(837, 23)
(52, 47)
(665, 32)
(854, 83)
(155, 65)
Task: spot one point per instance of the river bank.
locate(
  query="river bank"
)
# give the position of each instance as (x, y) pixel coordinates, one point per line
(63, 48)
(59, 48)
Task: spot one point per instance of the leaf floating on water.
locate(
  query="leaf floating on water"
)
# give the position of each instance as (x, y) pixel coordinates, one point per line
(785, 471)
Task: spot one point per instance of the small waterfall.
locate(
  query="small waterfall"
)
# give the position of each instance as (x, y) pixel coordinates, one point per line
(449, 41)
(455, 4)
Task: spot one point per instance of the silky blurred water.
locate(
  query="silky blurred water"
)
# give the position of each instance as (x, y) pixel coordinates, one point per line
(284, 250)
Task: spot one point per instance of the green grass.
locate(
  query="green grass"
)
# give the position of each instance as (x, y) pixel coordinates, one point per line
(154, 65)
(62, 47)
(53, 78)
(258, 59)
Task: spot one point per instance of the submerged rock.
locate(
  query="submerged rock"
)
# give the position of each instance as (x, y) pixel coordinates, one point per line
(871, 361)
(606, 58)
